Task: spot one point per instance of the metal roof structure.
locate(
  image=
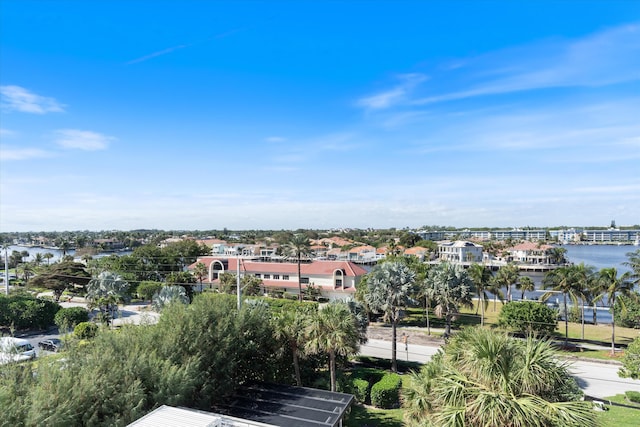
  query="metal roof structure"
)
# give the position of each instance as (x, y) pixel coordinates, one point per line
(259, 405)
(288, 406)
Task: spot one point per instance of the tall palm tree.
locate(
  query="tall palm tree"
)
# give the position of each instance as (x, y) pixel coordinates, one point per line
(525, 284)
(290, 326)
(485, 378)
(481, 277)
(449, 287)
(566, 281)
(298, 246)
(333, 330)
(390, 286)
(507, 276)
(614, 286)
(37, 260)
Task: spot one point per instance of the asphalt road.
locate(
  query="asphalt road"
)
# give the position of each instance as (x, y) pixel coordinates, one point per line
(598, 380)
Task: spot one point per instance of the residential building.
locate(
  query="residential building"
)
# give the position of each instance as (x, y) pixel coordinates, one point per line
(334, 279)
(460, 251)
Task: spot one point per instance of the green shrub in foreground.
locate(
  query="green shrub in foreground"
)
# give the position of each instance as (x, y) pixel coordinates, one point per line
(385, 393)
(528, 317)
(26, 312)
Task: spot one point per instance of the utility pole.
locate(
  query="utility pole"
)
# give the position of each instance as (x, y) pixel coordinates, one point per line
(238, 281)
(6, 269)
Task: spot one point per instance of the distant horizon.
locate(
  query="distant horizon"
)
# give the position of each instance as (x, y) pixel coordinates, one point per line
(284, 115)
(229, 230)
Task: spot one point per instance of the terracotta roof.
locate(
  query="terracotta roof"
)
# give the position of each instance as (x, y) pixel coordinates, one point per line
(313, 268)
(211, 242)
(416, 251)
(363, 248)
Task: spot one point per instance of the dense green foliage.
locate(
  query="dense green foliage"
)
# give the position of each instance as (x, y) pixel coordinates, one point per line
(485, 378)
(23, 311)
(360, 389)
(631, 361)
(68, 318)
(61, 276)
(632, 396)
(147, 288)
(627, 311)
(386, 392)
(528, 317)
(196, 356)
(85, 330)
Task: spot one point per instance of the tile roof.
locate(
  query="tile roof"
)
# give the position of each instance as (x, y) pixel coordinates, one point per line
(314, 268)
(530, 246)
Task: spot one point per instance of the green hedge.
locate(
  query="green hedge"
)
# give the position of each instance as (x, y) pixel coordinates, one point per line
(385, 393)
(360, 389)
(68, 318)
(24, 311)
(633, 396)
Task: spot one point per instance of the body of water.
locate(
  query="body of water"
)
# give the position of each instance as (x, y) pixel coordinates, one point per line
(57, 253)
(600, 256)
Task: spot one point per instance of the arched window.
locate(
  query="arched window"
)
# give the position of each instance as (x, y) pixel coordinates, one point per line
(338, 279)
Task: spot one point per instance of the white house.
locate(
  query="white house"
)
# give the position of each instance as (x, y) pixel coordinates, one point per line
(460, 251)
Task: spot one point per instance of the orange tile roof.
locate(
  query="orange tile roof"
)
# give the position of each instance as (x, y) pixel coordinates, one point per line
(530, 246)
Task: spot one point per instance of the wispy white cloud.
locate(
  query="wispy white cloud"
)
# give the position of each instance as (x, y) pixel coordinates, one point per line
(9, 154)
(181, 46)
(82, 140)
(608, 57)
(275, 139)
(7, 132)
(394, 95)
(16, 98)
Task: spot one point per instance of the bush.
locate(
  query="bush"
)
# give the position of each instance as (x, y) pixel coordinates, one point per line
(631, 361)
(26, 312)
(68, 318)
(360, 389)
(147, 289)
(633, 396)
(85, 330)
(630, 316)
(528, 317)
(385, 393)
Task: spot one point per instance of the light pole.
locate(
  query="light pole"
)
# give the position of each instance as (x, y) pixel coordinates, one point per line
(6, 269)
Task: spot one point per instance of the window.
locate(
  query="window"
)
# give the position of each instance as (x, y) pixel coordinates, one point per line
(276, 277)
(257, 275)
(338, 282)
(304, 280)
(285, 277)
(267, 276)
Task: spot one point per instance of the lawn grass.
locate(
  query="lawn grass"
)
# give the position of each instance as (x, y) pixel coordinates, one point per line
(619, 416)
(361, 416)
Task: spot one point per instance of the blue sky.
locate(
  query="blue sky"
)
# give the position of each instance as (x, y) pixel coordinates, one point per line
(285, 115)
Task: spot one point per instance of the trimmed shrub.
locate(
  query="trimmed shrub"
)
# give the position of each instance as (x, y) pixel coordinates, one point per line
(68, 318)
(528, 317)
(146, 289)
(385, 393)
(360, 389)
(85, 330)
(633, 396)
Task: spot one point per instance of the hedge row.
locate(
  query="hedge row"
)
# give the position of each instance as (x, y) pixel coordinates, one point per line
(385, 393)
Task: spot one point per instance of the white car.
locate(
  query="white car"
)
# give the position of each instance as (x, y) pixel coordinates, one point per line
(15, 350)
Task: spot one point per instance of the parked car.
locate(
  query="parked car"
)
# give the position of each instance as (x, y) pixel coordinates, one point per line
(52, 344)
(15, 350)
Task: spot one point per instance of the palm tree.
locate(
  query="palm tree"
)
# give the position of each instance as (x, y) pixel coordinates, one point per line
(506, 277)
(481, 277)
(168, 295)
(105, 292)
(614, 285)
(390, 285)
(566, 281)
(485, 378)
(48, 256)
(634, 264)
(449, 287)
(584, 277)
(37, 260)
(200, 272)
(333, 330)
(290, 326)
(525, 284)
(298, 246)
